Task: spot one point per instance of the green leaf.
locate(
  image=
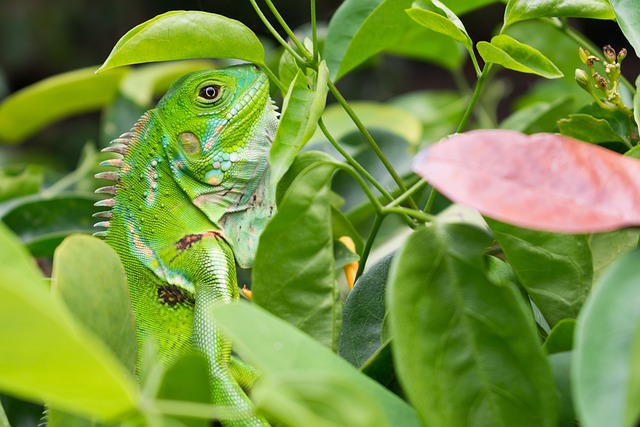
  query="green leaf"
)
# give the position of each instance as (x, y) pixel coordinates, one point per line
(16, 182)
(606, 248)
(373, 115)
(299, 240)
(42, 222)
(604, 341)
(88, 276)
(186, 35)
(560, 339)
(302, 400)
(555, 269)
(539, 117)
(520, 10)
(282, 353)
(187, 380)
(4, 422)
(47, 355)
(442, 20)
(26, 112)
(633, 408)
(589, 129)
(628, 17)
(465, 348)
(301, 109)
(561, 367)
(636, 102)
(438, 111)
(510, 53)
(364, 313)
(362, 28)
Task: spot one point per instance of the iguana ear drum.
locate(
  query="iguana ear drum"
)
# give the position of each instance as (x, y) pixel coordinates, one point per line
(189, 143)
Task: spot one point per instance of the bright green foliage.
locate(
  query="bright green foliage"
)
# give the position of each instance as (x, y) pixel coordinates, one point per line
(470, 353)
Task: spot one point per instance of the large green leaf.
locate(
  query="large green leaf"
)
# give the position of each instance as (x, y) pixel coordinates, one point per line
(520, 10)
(299, 240)
(604, 341)
(88, 276)
(283, 353)
(628, 17)
(561, 367)
(437, 17)
(510, 53)
(43, 222)
(555, 269)
(301, 109)
(19, 181)
(185, 35)
(606, 248)
(47, 355)
(364, 313)
(589, 129)
(34, 107)
(465, 349)
(362, 28)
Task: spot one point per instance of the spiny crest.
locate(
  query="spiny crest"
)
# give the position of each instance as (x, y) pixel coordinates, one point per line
(120, 147)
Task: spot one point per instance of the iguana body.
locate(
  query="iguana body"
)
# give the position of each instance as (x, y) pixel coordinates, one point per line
(192, 190)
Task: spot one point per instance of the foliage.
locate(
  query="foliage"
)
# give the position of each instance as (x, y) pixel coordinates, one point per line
(464, 320)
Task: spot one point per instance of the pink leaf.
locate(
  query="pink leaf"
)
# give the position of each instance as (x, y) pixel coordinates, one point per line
(543, 181)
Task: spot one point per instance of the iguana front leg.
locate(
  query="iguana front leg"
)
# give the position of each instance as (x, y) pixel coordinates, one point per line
(208, 260)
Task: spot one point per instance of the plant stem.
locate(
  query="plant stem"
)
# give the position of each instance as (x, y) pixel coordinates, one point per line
(420, 216)
(292, 36)
(415, 187)
(314, 32)
(372, 197)
(474, 97)
(275, 33)
(377, 222)
(353, 162)
(374, 146)
(432, 198)
(274, 79)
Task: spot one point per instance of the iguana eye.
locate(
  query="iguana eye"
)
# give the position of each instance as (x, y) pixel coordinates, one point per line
(210, 93)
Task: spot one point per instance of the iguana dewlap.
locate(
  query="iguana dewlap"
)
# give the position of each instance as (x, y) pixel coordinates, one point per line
(191, 196)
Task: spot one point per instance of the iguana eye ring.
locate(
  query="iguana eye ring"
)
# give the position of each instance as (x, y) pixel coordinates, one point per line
(210, 93)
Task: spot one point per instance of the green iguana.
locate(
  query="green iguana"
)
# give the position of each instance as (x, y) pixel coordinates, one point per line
(192, 194)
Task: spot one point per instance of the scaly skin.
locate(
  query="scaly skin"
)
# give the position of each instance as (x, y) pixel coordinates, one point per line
(191, 191)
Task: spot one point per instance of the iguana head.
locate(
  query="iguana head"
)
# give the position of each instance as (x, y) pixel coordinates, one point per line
(219, 127)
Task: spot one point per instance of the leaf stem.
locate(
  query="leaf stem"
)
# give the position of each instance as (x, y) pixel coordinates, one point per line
(275, 33)
(308, 57)
(421, 216)
(415, 187)
(353, 162)
(314, 32)
(274, 79)
(377, 222)
(474, 98)
(374, 146)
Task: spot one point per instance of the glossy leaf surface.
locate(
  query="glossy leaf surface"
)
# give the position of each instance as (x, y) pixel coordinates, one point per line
(465, 347)
(510, 53)
(282, 352)
(520, 10)
(186, 35)
(604, 342)
(47, 355)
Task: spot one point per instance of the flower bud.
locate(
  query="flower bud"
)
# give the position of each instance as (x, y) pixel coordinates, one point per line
(609, 53)
(583, 54)
(582, 78)
(622, 54)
